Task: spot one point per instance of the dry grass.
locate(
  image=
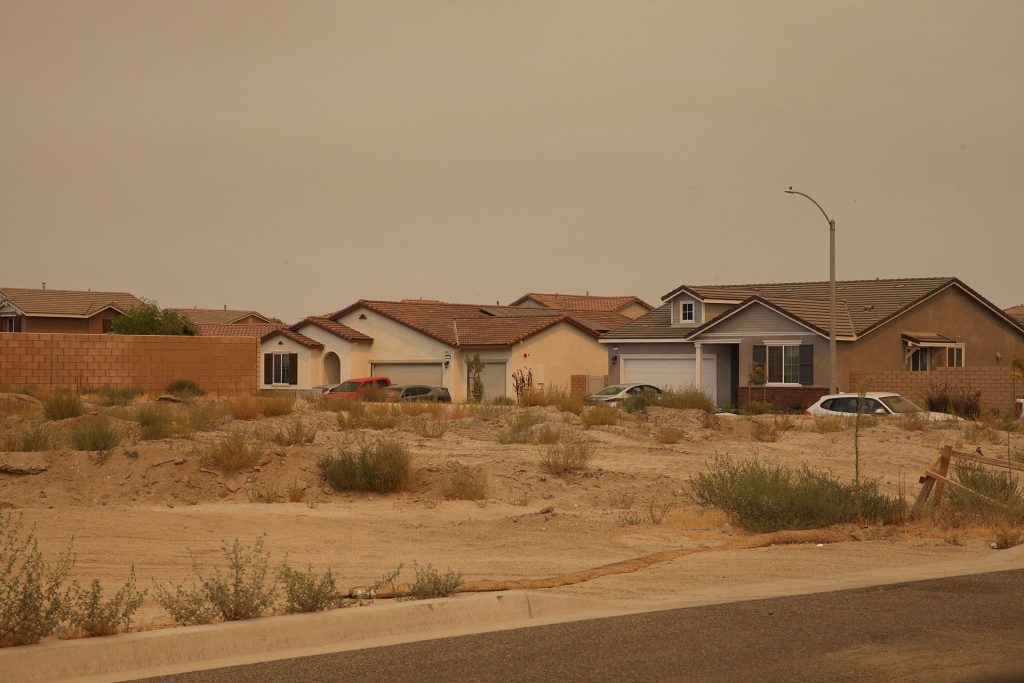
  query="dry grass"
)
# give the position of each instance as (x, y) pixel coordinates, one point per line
(274, 406)
(553, 396)
(668, 435)
(547, 434)
(236, 452)
(95, 434)
(600, 415)
(14, 406)
(431, 427)
(912, 422)
(244, 408)
(783, 423)
(573, 454)
(827, 424)
(764, 430)
(62, 405)
(265, 493)
(296, 433)
(370, 416)
(980, 433)
(710, 421)
(34, 438)
(420, 408)
(296, 492)
(521, 429)
(465, 483)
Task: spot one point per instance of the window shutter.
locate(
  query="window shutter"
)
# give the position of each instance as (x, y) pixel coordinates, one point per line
(293, 368)
(17, 323)
(760, 359)
(806, 364)
(268, 368)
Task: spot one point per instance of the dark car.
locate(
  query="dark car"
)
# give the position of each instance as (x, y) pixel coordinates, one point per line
(417, 392)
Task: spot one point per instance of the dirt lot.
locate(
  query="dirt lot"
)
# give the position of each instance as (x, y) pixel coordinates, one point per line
(156, 504)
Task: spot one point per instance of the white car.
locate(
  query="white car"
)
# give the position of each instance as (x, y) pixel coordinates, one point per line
(616, 393)
(875, 403)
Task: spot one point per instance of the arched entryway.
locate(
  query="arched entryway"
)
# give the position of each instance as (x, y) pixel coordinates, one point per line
(332, 368)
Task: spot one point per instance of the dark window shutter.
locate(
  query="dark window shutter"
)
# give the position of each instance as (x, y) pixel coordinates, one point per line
(806, 364)
(268, 368)
(17, 323)
(760, 358)
(293, 368)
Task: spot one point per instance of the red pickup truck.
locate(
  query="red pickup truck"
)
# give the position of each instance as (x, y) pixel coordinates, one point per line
(351, 388)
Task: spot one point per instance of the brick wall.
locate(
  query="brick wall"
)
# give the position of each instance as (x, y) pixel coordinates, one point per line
(782, 397)
(220, 365)
(995, 384)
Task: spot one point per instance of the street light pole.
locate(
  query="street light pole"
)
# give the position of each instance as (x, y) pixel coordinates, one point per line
(832, 386)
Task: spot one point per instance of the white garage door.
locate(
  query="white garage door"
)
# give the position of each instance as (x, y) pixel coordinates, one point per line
(671, 373)
(431, 374)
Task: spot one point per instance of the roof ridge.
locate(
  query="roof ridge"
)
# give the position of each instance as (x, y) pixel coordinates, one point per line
(820, 282)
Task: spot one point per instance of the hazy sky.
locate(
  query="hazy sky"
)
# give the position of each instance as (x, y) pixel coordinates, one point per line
(295, 156)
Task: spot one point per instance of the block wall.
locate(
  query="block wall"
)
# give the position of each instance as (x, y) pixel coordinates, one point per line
(996, 384)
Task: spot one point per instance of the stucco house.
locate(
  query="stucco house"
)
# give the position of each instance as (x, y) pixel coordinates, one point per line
(728, 338)
(61, 310)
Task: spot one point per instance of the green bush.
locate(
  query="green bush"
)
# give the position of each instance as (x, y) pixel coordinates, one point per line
(573, 454)
(156, 420)
(240, 592)
(520, 431)
(184, 389)
(635, 403)
(381, 466)
(149, 318)
(35, 438)
(95, 434)
(62, 405)
(308, 591)
(117, 396)
(430, 583)
(765, 496)
(32, 592)
(960, 507)
(87, 611)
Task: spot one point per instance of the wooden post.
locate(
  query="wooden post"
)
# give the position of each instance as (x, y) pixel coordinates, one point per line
(943, 470)
(927, 483)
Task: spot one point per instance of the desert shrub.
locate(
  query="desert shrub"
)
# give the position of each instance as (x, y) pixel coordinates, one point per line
(295, 434)
(635, 403)
(764, 430)
(573, 454)
(420, 408)
(600, 415)
(239, 592)
(961, 402)
(236, 452)
(266, 493)
(184, 389)
(95, 434)
(506, 401)
(982, 432)
(912, 422)
(274, 406)
(372, 393)
(783, 423)
(687, 399)
(244, 408)
(156, 421)
(657, 510)
(552, 396)
(827, 424)
(377, 417)
(465, 483)
(308, 591)
(198, 417)
(62, 405)
(757, 408)
(1004, 537)
(381, 466)
(295, 492)
(764, 496)
(34, 438)
(117, 396)
(960, 507)
(520, 431)
(709, 420)
(547, 434)
(431, 427)
(430, 583)
(668, 435)
(90, 614)
(32, 592)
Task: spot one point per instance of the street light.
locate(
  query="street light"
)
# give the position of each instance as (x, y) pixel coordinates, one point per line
(833, 388)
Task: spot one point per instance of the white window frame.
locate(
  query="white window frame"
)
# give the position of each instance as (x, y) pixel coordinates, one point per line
(769, 345)
(921, 352)
(957, 350)
(682, 309)
(279, 367)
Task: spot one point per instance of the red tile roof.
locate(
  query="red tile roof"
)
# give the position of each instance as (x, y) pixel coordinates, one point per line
(218, 316)
(236, 330)
(582, 302)
(335, 328)
(294, 336)
(66, 302)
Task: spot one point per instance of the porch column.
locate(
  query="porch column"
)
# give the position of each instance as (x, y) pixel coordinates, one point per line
(699, 371)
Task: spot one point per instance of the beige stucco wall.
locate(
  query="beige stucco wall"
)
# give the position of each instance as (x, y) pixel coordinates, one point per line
(308, 360)
(951, 313)
(345, 349)
(555, 354)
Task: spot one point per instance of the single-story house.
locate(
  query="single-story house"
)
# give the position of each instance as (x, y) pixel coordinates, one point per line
(728, 338)
(630, 307)
(62, 310)
(224, 316)
(429, 342)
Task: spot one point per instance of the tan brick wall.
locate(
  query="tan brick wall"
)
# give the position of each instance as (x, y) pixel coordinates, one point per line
(995, 384)
(220, 365)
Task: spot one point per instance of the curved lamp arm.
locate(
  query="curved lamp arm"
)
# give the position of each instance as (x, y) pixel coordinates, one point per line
(792, 191)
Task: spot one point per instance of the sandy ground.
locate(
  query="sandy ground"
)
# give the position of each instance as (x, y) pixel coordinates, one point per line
(155, 505)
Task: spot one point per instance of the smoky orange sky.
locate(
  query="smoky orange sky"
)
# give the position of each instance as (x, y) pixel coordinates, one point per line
(294, 156)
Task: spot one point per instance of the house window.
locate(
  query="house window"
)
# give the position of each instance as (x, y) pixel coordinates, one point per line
(919, 360)
(108, 326)
(783, 364)
(7, 324)
(280, 368)
(955, 357)
(686, 312)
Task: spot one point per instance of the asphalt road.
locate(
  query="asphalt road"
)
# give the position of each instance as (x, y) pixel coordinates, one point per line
(968, 628)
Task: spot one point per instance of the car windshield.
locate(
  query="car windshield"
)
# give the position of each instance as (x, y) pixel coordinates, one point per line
(610, 391)
(392, 391)
(347, 386)
(898, 404)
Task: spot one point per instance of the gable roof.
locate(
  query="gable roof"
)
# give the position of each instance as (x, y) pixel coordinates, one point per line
(335, 328)
(294, 336)
(67, 303)
(861, 305)
(466, 325)
(582, 302)
(236, 329)
(218, 316)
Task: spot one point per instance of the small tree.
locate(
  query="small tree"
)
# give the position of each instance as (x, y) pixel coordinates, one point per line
(149, 318)
(755, 376)
(475, 369)
(522, 382)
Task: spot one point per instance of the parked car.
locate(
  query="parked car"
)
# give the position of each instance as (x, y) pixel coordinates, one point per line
(324, 388)
(351, 388)
(875, 403)
(417, 392)
(616, 393)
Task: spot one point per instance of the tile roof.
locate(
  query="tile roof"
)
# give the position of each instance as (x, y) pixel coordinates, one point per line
(66, 302)
(217, 316)
(467, 325)
(236, 329)
(582, 302)
(294, 336)
(1016, 312)
(335, 328)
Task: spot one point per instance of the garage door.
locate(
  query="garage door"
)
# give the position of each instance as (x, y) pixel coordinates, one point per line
(493, 377)
(431, 374)
(671, 373)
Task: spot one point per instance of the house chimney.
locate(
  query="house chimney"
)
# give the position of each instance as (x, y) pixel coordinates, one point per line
(44, 285)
